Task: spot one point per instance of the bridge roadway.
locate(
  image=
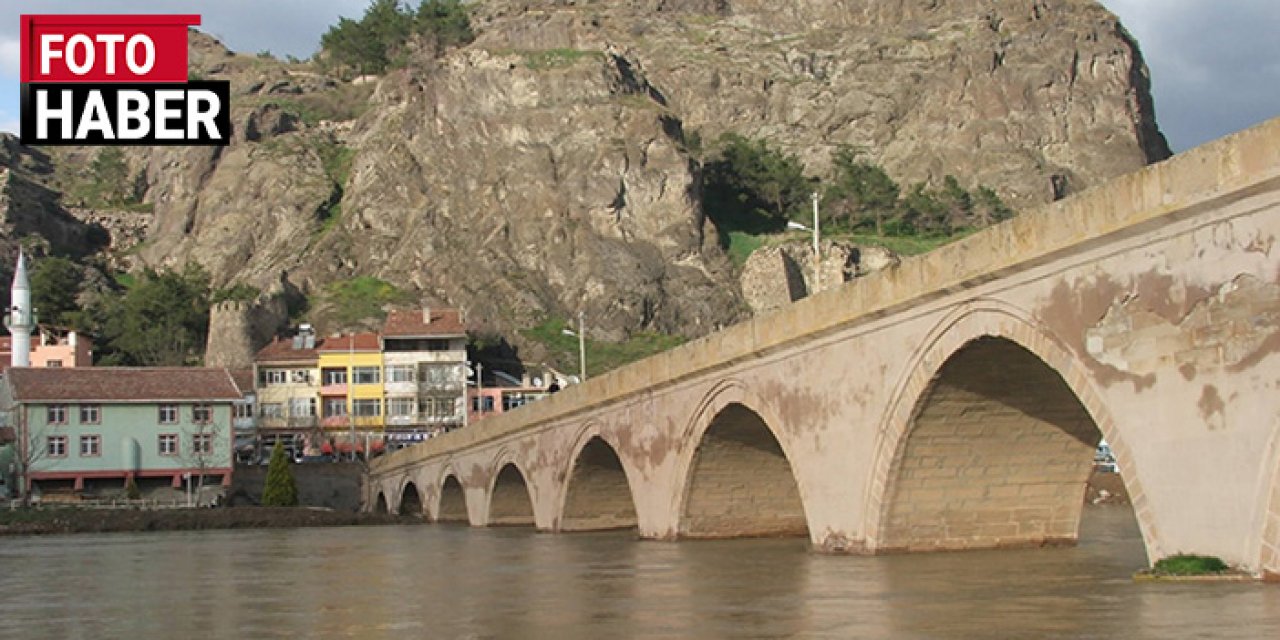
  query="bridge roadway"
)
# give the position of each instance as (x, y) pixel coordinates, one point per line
(952, 402)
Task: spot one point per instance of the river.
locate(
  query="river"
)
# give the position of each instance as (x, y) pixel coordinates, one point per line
(455, 582)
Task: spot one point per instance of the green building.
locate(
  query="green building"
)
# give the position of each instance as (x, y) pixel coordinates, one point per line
(106, 425)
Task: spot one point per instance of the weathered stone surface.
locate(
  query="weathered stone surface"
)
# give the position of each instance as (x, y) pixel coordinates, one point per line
(552, 165)
(778, 275)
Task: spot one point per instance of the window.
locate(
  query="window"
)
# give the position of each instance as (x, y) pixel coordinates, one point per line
(302, 407)
(201, 413)
(271, 410)
(367, 375)
(168, 444)
(57, 446)
(90, 446)
(335, 407)
(90, 414)
(273, 376)
(437, 345)
(402, 406)
(300, 376)
(482, 404)
(53, 364)
(441, 374)
(334, 376)
(168, 414)
(243, 409)
(56, 414)
(202, 444)
(399, 373)
(438, 407)
(367, 407)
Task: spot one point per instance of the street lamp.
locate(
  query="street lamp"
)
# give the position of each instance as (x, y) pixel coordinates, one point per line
(817, 255)
(582, 346)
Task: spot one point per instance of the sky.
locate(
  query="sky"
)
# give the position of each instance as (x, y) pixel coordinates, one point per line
(1215, 64)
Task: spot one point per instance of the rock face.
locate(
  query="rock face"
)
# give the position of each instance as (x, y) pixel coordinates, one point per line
(553, 166)
(776, 276)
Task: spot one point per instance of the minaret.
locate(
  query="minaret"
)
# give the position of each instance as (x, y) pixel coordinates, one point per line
(20, 319)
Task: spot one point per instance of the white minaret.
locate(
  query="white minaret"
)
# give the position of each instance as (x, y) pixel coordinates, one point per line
(20, 319)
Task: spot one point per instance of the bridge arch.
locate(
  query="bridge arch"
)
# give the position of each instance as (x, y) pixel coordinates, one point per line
(451, 505)
(411, 501)
(597, 490)
(913, 505)
(511, 497)
(734, 473)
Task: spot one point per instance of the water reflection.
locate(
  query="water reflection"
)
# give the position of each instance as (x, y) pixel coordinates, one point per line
(457, 582)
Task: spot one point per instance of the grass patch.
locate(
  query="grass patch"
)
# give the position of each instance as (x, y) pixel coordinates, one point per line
(125, 280)
(1189, 565)
(362, 298)
(743, 244)
(562, 348)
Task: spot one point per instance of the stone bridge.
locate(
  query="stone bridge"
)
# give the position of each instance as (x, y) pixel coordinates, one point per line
(952, 402)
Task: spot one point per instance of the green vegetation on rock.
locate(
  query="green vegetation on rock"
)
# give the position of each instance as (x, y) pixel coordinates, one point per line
(1189, 565)
(362, 298)
(752, 191)
(562, 348)
(384, 36)
(280, 489)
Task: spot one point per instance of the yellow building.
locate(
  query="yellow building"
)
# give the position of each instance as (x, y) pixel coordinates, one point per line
(351, 390)
(287, 373)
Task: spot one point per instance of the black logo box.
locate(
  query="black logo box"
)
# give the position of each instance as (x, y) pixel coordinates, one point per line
(80, 93)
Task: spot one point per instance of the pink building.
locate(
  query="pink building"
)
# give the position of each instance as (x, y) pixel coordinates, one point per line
(53, 348)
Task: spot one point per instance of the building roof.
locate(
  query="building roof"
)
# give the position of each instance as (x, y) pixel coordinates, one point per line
(353, 342)
(243, 379)
(414, 324)
(281, 350)
(121, 384)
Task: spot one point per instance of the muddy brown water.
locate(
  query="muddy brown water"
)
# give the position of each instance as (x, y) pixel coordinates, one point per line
(456, 582)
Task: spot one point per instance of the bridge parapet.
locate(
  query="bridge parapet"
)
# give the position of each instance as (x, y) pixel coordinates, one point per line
(1231, 168)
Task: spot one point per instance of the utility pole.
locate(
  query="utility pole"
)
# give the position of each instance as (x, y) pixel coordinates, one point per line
(582, 347)
(817, 257)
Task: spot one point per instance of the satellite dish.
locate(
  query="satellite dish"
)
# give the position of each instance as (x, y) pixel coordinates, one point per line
(537, 382)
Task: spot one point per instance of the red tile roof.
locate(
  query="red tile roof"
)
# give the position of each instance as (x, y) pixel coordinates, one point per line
(281, 350)
(410, 324)
(243, 379)
(353, 342)
(121, 384)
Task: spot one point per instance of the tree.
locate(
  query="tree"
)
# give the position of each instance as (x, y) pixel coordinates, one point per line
(752, 187)
(446, 21)
(988, 208)
(162, 320)
(55, 284)
(280, 489)
(861, 193)
(380, 39)
(30, 446)
(203, 453)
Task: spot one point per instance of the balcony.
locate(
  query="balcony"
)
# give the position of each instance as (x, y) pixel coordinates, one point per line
(334, 389)
(438, 386)
(358, 422)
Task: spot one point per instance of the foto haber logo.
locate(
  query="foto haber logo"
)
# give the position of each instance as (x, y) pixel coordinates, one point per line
(116, 80)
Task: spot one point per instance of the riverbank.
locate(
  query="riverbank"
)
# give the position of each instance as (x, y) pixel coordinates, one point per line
(66, 519)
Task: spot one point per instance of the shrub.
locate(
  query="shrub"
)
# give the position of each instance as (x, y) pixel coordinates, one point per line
(1189, 565)
(280, 489)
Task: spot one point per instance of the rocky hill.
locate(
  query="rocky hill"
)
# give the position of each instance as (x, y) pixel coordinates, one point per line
(553, 164)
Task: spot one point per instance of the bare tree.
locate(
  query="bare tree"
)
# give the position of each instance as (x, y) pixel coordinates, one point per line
(30, 446)
(202, 451)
